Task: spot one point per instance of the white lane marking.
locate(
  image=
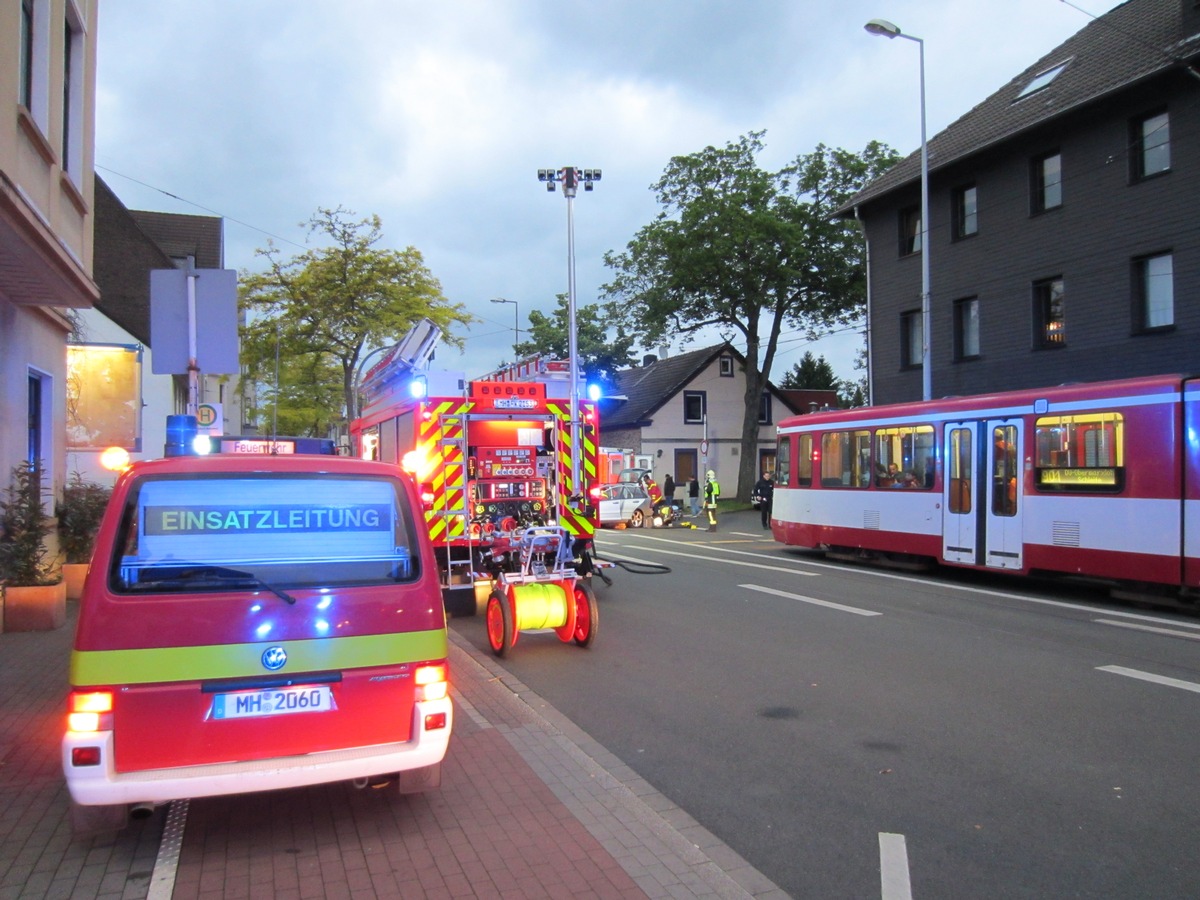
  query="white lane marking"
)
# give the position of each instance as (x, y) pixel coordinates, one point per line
(893, 867)
(162, 880)
(712, 546)
(728, 562)
(1150, 676)
(929, 582)
(1153, 630)
(813, 600)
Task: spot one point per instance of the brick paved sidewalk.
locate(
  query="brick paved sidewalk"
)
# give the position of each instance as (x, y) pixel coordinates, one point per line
(529, 807)
(39, 857)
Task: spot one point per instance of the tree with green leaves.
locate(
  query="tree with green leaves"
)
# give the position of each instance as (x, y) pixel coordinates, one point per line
(816, 374)
(312, 319)
(600, 356)
(811, 374)
(747, 251)
(854, 393)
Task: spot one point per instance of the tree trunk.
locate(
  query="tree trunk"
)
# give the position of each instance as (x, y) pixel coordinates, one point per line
(748, 464)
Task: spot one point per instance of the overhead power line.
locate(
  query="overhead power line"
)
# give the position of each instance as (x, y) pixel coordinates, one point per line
(203, 207)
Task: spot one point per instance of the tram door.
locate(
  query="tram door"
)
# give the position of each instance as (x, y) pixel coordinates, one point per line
(982, 493)
(960, 532)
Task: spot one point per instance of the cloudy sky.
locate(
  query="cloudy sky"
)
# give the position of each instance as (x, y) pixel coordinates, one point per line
(437, 115)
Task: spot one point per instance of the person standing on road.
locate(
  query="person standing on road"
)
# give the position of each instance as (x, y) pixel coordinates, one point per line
(712, 493)
(669, 490)
(652, 490)
(694, 496)
(764, 490)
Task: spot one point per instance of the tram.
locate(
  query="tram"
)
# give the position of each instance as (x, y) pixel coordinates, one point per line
(1099, 480)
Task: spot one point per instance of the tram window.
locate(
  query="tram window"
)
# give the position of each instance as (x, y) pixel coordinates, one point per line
(1004, 470)
(804, 460)
(783, 461)
(846, 459)
(959, 462)
(1080, 453)
(904, 456)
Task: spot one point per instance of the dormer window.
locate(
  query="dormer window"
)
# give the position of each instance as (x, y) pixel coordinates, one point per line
(1043, 79)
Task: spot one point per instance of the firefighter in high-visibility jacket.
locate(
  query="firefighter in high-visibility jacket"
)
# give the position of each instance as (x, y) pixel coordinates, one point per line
(712, 493)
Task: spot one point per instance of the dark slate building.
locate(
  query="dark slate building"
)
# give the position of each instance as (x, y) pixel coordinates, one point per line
(1063, 241)
(124, 257)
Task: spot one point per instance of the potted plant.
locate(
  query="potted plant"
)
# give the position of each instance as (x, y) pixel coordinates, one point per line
(34, 595)
(78, 514)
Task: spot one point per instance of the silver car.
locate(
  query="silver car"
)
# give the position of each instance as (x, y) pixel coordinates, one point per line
(624, 503)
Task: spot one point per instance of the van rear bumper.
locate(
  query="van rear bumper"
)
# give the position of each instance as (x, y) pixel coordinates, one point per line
(101, 785)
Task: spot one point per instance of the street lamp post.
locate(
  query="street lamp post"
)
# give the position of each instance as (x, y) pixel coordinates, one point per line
(888, 30)
(516, 322)
(570, 178)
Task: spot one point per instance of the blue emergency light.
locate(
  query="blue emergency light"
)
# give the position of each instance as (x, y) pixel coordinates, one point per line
(181, 435)
(184, 438)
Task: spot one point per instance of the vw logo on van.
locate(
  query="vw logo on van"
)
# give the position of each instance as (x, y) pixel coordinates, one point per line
(274, 658)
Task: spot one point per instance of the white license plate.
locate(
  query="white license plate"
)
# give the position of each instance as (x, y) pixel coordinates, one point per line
(275, 702)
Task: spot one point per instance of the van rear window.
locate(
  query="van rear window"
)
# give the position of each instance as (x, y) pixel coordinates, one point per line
(200, 534)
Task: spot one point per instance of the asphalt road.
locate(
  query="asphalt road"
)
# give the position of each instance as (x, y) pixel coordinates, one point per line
(859, 733)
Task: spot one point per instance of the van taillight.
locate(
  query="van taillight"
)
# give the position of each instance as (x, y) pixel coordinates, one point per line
(85, 756)
(431, 682)
(89, 711)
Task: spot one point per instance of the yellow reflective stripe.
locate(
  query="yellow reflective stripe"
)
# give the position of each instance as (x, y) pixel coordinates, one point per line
(160, 664)
(576, 524)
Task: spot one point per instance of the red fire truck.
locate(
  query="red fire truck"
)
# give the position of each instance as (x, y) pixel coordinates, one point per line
(493, 459)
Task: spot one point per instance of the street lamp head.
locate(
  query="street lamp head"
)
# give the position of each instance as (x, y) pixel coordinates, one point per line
(502, 300)
(882, 27)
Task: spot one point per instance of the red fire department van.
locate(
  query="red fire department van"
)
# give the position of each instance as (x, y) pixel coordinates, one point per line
(254, 622)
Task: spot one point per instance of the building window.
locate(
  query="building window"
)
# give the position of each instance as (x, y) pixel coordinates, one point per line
(26, 87)
(104, 396)
(966, 328)
(72, 130)
(1151, 143)
(726, 367)
(966, 212)
(764, 409)
(34, 92)
(1049, 314)
(1155, 292)
(1042, 79)
(38, 401)
(693, 407)
(1046, 182)
(911, 344)
(910, 230)
(767, 463)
